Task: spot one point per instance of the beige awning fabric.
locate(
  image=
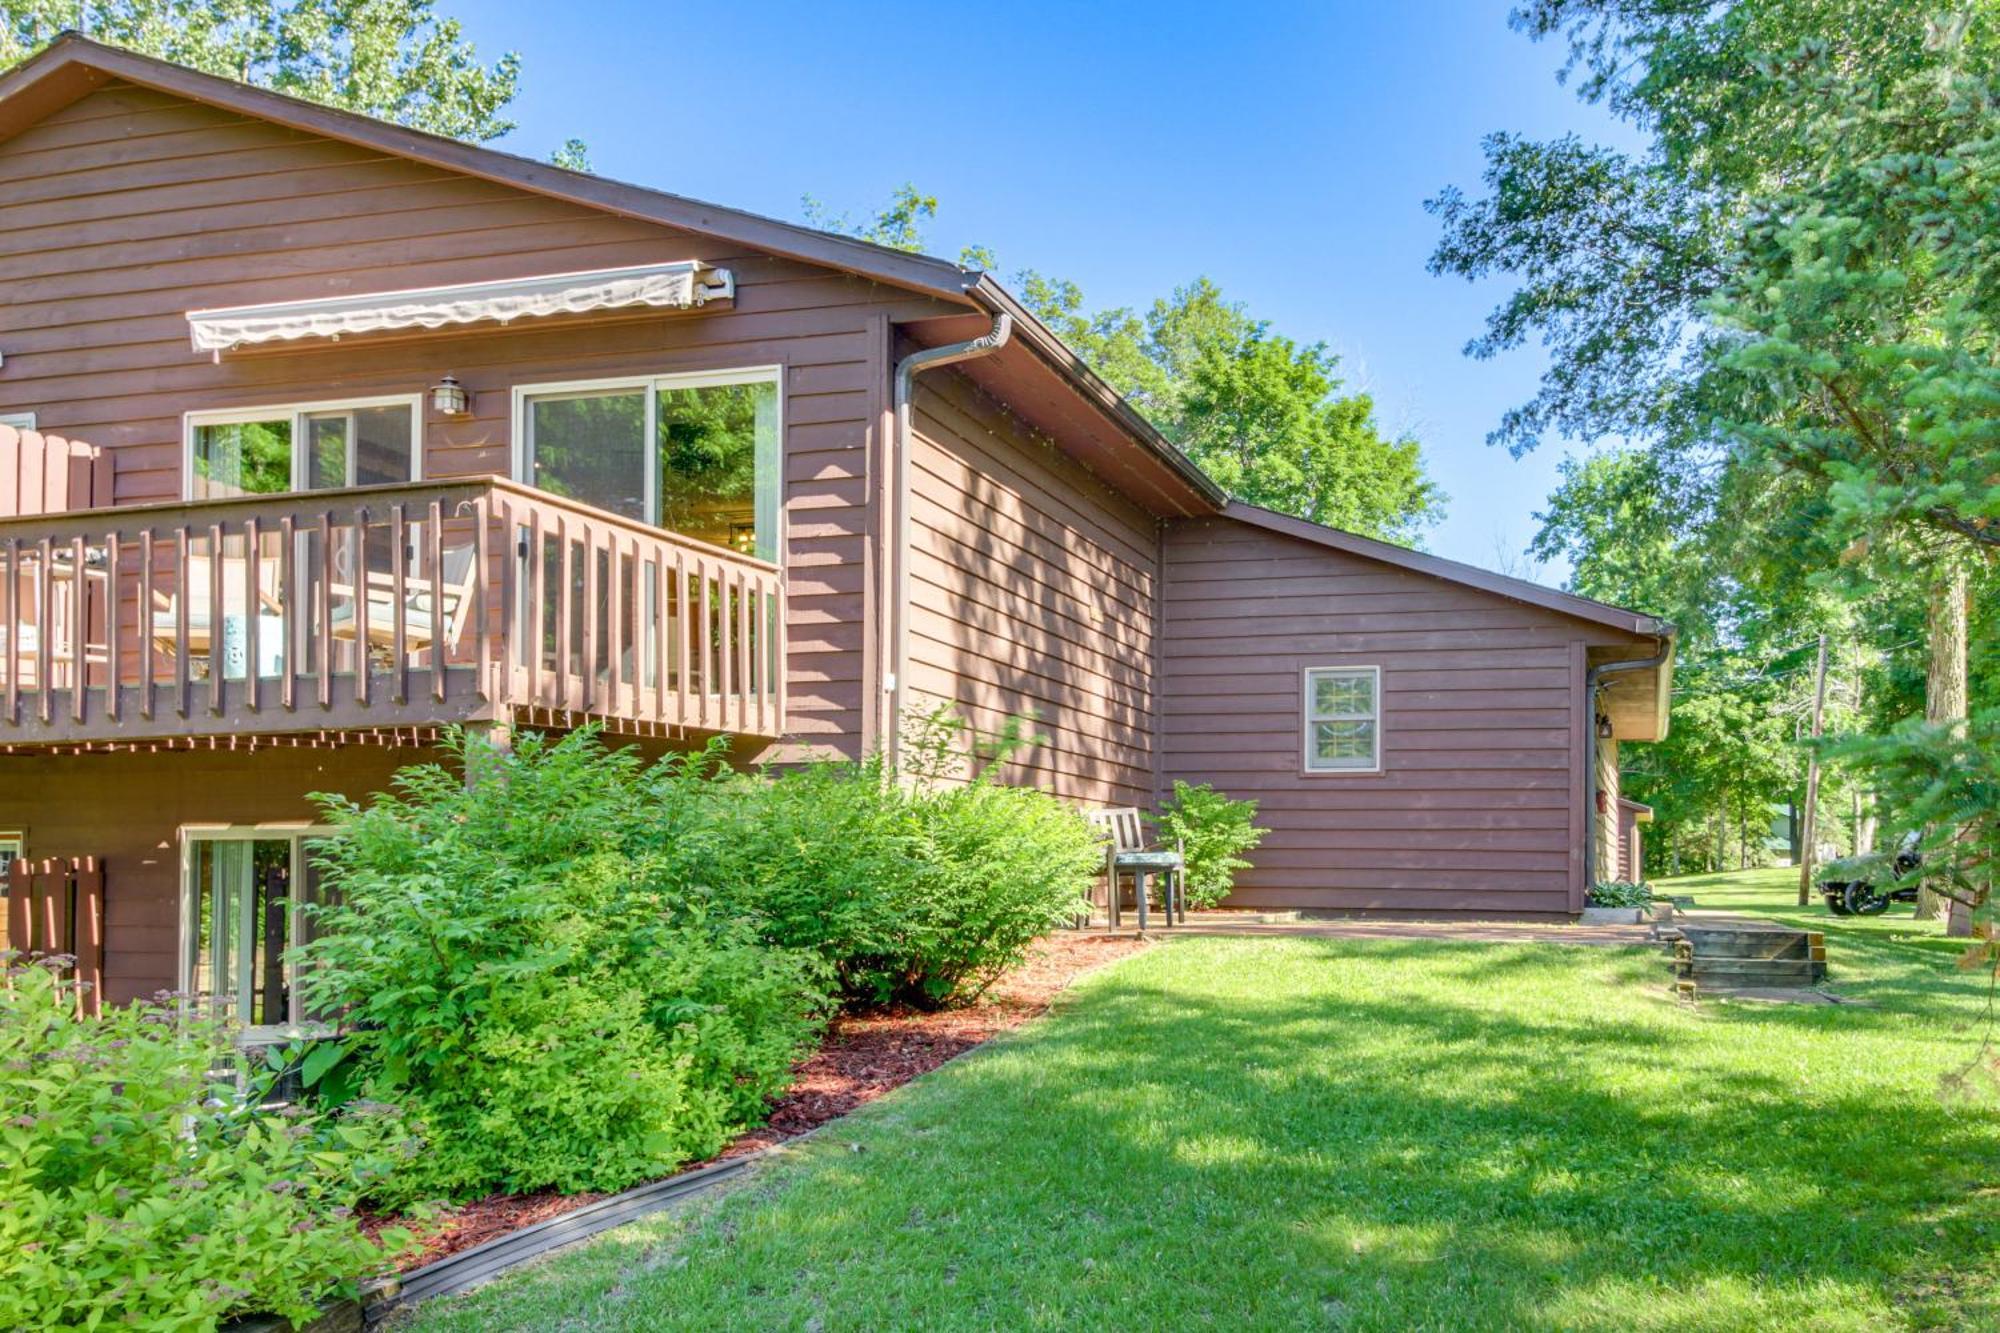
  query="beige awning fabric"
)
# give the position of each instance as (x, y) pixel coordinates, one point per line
(679, 285)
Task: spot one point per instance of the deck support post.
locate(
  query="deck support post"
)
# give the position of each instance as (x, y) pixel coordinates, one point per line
(496, 737)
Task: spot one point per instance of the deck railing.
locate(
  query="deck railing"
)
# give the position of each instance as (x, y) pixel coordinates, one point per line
(373, 607)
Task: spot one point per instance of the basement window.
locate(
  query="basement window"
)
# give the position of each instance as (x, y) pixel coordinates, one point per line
(1343, 719)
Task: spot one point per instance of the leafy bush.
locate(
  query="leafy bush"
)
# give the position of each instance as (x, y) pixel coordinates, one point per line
(922, 893)
(138, 1191)
(537, 965)
(1620, 893)
(1001, 866)
(1214, 832)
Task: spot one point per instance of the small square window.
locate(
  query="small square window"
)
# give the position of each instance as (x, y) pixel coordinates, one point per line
(1343, 732)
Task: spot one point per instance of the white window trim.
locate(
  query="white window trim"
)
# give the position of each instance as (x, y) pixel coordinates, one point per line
(1306, 765)
(18, 420)
(236, 416)
(651, 385)
(297, 833)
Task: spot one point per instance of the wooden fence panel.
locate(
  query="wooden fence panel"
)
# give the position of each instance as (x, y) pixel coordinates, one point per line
(55, 905)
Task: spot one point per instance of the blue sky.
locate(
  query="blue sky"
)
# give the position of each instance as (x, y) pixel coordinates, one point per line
(1284, 150)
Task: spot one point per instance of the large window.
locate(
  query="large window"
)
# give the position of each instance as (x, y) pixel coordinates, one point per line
(698, 454)
(241, 898)
(1343, 719)
(309, 447)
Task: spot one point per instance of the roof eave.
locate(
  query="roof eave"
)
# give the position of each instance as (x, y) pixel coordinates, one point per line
(71, 54)
(1501, 585)
(1087, 382)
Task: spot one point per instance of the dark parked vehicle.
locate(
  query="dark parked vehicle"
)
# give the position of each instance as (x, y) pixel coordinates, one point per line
(1859, 897)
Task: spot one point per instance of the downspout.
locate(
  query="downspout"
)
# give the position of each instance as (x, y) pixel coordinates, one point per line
(1591, 678)
(899, 644)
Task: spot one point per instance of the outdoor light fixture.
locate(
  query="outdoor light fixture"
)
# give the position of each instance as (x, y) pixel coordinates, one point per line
(449, 397)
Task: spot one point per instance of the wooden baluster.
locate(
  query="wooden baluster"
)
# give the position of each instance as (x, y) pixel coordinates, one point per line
(641, 631)
(588, 546)
(481, 579)
(562, 612)
(531, 635)
(145, 622)
(780, 668)
(436, 530)
(360, 581)
(324, 633)
(11, 591)
(684, 627)
(399, 537)
(614, 628)
(707, 631)
(662, 639)
(79, 632)
(745, 678)
(288, 600)
(184, 543)
(45, 632)
(725, 647)
(112, 666)
(218, 656)
(253, 611)
(760, 652)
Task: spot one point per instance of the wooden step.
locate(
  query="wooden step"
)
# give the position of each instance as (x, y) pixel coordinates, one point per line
(1733, 942)
(1786, 970)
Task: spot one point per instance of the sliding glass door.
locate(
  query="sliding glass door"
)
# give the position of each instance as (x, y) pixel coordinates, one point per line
(242, 895)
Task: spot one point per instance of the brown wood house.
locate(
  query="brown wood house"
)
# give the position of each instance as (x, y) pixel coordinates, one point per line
(318, 434)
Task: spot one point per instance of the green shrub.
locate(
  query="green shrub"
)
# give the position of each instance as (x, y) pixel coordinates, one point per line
(1620, 893)
(1214, 831)
(538, 966)
(137, 1190)
(921, 891)
(826, 857)
(1002, 866)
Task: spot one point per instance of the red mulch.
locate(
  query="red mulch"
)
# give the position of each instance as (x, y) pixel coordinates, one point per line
(864, 1055)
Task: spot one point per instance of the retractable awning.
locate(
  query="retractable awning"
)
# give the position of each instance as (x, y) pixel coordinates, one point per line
(679, 285)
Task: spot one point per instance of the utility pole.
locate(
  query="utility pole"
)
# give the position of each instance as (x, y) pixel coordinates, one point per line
(1810, 831)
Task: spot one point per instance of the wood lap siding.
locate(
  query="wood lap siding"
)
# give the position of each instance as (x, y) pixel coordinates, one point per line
(1472, 811)
(126, 809)
(1031, 590)
(130, 207)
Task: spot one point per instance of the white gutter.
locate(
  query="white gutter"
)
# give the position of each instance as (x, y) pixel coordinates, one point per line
(898, 653)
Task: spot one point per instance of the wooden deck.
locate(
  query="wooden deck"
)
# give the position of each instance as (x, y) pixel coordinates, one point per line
(377, 608)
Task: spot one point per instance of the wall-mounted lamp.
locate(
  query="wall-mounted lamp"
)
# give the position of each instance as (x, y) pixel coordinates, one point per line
(1603, 726)
(449, 397)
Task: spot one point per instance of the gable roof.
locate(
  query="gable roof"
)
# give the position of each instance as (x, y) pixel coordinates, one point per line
(1520, 590)
(73, 66)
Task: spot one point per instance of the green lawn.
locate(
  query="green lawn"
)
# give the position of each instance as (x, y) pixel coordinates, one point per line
(1371, 1134)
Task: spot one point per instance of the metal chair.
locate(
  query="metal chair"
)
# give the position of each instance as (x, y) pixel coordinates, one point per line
(1127, 851)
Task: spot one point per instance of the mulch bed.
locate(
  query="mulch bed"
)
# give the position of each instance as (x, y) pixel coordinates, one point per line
(864, 1055)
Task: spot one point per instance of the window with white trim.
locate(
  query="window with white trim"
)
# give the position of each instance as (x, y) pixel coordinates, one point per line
(696, 453)
(303, 447)
(243, 894)
(18, 420)
(13, 846)
(1343, 719)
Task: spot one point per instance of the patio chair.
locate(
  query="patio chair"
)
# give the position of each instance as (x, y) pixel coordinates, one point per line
(1127, 851)
(202, 619)
(433, 611)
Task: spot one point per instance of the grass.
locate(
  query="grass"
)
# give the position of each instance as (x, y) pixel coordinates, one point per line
(1259, 1133)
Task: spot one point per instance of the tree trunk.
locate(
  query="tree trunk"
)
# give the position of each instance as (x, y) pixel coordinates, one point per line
(1945, 702)
(1809, 830)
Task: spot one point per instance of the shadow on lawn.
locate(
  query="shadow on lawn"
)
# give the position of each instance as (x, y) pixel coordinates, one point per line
(1332, 1133)
(1542, 1155)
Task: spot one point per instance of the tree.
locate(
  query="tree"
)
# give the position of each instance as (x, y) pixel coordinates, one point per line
(1793, 286)
(393, 59)
(1262, 414)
